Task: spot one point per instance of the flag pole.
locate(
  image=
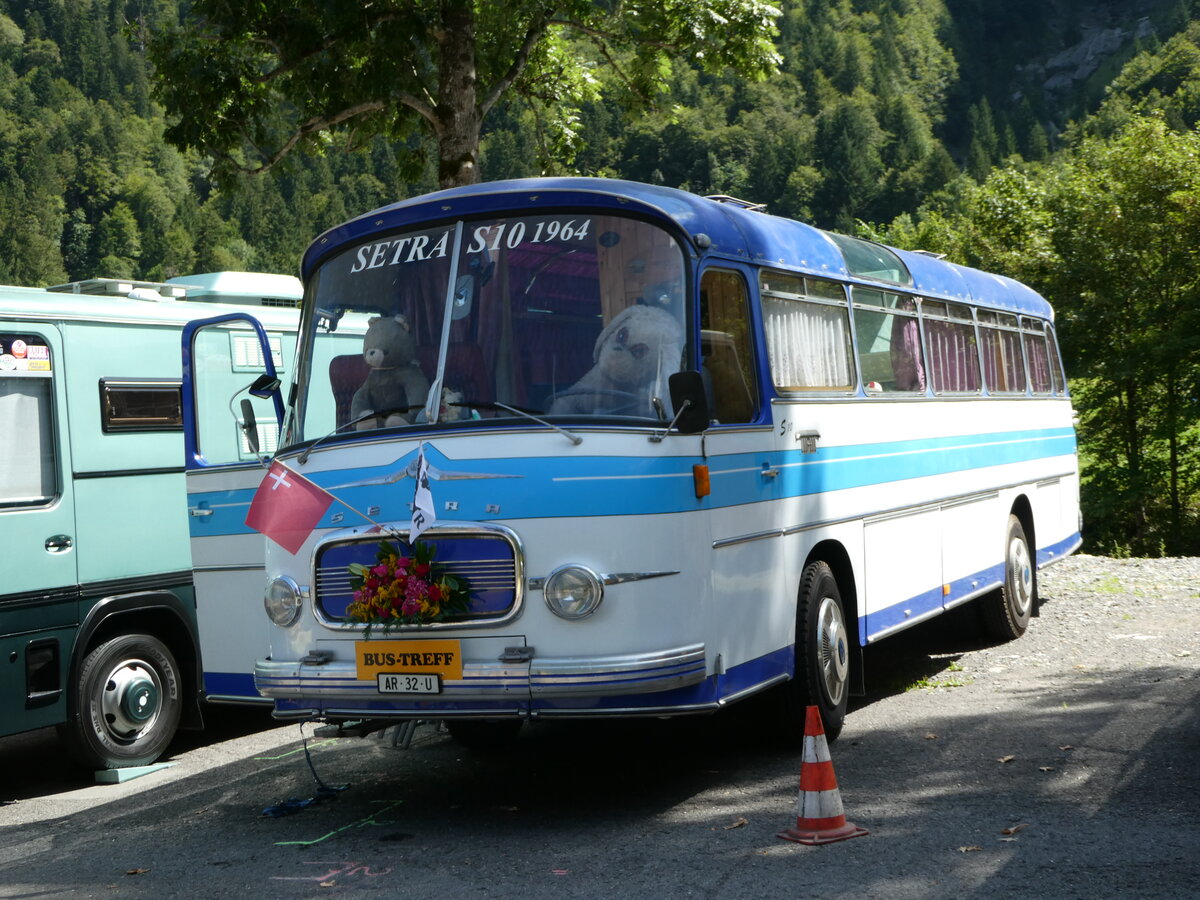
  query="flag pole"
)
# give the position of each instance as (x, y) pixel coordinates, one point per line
(339, 500)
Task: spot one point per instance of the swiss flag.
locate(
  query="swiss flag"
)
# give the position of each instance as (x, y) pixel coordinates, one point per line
(287, 507)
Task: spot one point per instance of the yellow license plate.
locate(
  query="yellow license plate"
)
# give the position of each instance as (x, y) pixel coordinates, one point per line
(374, 658)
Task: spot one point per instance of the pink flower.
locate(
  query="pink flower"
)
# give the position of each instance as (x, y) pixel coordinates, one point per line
(411, 606)
(380, 570)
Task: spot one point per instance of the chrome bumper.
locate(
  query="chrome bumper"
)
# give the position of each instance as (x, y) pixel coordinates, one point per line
(537, 678)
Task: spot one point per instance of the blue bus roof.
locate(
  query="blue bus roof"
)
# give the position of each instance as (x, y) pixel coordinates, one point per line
(728, 229)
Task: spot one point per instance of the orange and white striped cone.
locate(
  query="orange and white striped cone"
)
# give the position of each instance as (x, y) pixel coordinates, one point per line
(819, 815)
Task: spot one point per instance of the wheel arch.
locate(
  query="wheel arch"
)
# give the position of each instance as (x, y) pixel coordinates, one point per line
(159, 613)
(1023, 510)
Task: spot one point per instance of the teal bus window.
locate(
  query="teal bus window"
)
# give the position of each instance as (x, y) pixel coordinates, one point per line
(140, 404)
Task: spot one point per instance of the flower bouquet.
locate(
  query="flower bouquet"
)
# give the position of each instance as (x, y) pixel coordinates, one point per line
(404, 590)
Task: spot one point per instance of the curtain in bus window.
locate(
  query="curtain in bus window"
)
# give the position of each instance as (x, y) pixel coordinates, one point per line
(808, 345)
(1039, 363)
(1003, 370)
(953, 360)
(27, 464)
(890, 349)
(906, 352)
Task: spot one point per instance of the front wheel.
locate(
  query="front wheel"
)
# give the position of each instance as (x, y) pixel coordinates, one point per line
(128, 702)
(1006, 612)
(822, 646)
(822, 670)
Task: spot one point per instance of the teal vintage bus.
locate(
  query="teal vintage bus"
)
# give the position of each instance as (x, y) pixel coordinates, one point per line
(99, 630)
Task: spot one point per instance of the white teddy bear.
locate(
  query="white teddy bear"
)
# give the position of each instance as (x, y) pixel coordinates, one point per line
(633, 356)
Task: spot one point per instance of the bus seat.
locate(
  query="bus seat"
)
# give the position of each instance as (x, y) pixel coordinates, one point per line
(346, 375)
(466, 370)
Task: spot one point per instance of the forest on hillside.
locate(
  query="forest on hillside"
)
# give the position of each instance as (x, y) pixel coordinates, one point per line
(1052, 140)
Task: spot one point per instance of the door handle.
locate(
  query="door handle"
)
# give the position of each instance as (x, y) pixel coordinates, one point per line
(59, 543)
(199, 511)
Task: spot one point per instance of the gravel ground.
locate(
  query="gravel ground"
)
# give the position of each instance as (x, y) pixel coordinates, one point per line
(1105, 613)
(1060, 765)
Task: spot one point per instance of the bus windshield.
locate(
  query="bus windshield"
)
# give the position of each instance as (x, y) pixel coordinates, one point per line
(569, 316)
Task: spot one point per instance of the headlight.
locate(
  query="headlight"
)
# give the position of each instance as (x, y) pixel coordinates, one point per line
(573, 592)
(282, 601)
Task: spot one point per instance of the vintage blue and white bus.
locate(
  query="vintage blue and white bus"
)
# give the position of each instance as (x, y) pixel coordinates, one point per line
(674, 451)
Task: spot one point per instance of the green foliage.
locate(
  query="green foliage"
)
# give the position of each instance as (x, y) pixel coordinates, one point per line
(250, 84)
(1108, 231)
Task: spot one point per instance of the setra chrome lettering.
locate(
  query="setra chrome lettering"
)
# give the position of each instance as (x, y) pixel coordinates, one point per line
(414, 248)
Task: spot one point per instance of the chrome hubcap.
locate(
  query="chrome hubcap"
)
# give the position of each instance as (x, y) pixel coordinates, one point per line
(131, 699)
(1020, 577)
(833, 654)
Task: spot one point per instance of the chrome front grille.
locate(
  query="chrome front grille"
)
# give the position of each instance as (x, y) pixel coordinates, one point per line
(488, 558)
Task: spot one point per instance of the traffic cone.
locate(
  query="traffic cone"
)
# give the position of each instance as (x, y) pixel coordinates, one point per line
(819, 815)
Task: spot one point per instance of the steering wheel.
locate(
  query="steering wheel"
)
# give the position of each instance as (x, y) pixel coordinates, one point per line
(624, 402)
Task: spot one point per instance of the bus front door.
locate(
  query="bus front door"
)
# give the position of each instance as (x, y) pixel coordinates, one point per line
(39, 580)
(222, 358)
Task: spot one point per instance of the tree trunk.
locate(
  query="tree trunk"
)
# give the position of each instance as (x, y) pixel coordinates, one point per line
(1175, 538)
(458, 121)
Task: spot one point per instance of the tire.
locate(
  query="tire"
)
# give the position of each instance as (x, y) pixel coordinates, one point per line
(485, 735)
(1006, 612)
(128, 703)
(822, 676)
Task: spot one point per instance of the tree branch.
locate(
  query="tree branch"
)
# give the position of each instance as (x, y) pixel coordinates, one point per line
(533, 35)
(313, 125)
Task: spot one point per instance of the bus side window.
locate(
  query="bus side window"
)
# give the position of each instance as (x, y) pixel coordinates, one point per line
(889, 342)
(28, 465)
(727, 360)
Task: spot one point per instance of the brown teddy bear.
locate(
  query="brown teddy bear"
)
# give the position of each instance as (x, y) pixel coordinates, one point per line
(634, 355)
(395, 380)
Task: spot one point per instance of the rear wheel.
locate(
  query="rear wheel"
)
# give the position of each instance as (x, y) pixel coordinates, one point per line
(128, 702)
(1006, 612)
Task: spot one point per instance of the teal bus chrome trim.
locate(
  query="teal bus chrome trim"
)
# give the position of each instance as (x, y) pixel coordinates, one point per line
(96, 589)
(129, 473)
(65, 594)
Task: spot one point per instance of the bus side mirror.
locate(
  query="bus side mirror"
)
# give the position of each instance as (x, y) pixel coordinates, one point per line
(689, 401)
(249, 425)
(264, 386)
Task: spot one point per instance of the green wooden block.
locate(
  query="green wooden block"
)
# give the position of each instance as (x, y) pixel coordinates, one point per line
(118, 776)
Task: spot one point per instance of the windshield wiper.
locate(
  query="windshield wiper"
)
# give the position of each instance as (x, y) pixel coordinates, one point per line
(381, 414)
(518, 411)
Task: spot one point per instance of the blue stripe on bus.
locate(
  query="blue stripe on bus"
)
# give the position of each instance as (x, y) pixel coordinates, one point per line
(1055, 552)
(606, 486)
